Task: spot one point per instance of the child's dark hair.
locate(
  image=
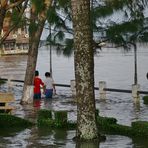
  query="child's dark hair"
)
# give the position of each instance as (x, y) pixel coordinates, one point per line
(47, 74)
(36, 73)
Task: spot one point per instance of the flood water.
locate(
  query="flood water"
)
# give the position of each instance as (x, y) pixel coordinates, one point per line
(116, 67)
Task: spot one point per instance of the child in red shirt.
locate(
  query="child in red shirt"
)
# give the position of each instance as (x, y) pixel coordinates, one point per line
(37, 83)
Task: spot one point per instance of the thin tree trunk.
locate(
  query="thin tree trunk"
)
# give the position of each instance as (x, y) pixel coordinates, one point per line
(2, 16)
(27, 96)
(135, 65)
(12, 26)
(84, 70)
(31, 65)
(3, 4)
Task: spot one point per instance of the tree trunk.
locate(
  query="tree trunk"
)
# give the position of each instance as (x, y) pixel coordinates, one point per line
(31, 65)
(84, 70)
(35, 35)
(135, 65)
(2, 14)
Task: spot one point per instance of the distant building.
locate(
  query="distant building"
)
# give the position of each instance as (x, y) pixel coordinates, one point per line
(17, 41)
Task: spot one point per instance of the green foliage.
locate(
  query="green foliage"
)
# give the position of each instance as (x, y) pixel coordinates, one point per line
(52, 16)
(144, 37)
(141, 128)
(39, 5)
(44, 114)
(63, 3)
(60, 120)
(59, 19)
(106, 124)
(68, 48)
(121, 33)
(41, 122)
(115, 4)
(33, 27)
(50, 123)
(2, 82)
(145, 99)
(60, 116)
(97, 112)
(15, 17)
(118, 129)
(109, 126)
(106, 120)
(59, 35)
(124, 32)
(9, 121)
(102, 11)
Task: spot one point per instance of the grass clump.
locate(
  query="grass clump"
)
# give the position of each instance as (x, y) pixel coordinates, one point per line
(9, 121)
(145, 99)
(44, 114)
(2, 81)
(59, 121)
(140, 128)
(106, 120)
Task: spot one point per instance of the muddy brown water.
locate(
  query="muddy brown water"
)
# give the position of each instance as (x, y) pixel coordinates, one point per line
(114, 67)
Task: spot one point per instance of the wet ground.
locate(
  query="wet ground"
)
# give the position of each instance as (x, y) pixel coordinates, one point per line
(118, 105)
(124, 110)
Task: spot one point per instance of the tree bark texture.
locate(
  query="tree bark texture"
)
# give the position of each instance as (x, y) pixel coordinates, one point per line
(3, 5)
(84, 70)
(33, 49)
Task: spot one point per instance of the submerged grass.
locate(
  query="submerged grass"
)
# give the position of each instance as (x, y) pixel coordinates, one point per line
(2, 82)
(58, 119)
(10, 121)
(145, 99)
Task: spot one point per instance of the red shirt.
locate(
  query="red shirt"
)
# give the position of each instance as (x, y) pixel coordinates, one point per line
(37, 83)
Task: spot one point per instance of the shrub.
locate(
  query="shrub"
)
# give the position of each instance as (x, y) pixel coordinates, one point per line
(8, 121)
(145, 99)
(44, 114)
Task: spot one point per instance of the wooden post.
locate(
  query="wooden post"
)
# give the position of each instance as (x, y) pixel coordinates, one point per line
(102, 92)
(73, 87)
(135, 94)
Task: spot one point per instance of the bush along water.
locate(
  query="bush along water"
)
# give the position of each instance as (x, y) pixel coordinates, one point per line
(145, 99)
(56, 119)
(59, 119)
(10, 121)
(109, 126)
(2, 81)
(106, 125)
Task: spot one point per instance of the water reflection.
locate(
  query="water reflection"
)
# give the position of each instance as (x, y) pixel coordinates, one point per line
(118, 105)
(37, 103)
(13, 66)
(140, 143)
(41, 137)
(87, 145)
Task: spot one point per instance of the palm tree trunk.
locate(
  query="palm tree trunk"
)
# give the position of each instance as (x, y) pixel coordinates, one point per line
(84, 70)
